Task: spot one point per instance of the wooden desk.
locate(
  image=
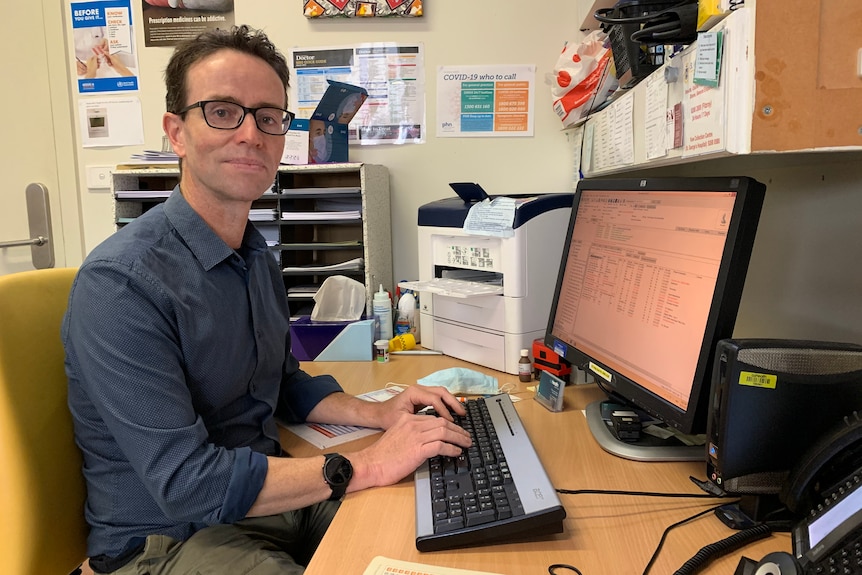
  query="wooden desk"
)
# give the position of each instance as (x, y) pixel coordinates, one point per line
(604, 534)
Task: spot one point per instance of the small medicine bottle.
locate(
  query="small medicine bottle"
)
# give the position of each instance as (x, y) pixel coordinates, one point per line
(525, 367)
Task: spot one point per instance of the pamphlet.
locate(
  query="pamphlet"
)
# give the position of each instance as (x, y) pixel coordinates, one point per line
(385, 566)
(323, 435)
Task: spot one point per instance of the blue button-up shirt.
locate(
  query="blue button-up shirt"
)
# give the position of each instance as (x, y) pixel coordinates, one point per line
(178, 358)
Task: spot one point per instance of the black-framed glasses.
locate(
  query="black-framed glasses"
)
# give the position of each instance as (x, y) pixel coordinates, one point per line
(223, 115)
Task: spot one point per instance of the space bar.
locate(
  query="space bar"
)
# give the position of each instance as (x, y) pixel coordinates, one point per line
(480, 517)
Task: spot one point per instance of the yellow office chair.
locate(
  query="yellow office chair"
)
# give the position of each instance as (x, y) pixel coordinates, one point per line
(42, 526)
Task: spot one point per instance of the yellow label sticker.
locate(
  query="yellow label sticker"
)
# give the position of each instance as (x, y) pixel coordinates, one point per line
(603, 373)
(766, 380)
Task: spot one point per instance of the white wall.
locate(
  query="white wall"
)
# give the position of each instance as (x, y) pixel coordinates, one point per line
(804, 280)
(453, 33)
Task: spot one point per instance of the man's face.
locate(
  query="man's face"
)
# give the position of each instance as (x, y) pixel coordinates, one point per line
(228, 165)
(316, 127)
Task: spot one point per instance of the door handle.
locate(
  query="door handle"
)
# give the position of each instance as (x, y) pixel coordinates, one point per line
(39, 217)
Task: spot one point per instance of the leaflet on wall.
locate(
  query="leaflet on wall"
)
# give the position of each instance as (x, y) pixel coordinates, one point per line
(114, 121)
(104, 54)
(655, 122)
(485, 101)
(610, 136)
(393, 74)
(703, 106)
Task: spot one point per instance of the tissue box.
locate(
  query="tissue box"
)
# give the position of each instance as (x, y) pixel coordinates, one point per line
(332, 340)
(326, 130)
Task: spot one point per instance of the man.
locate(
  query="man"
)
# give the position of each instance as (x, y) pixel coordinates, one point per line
(178, 354)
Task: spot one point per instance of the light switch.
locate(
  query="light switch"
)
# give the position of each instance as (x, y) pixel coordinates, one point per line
(99, 177)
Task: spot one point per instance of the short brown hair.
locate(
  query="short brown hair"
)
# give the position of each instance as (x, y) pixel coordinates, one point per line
(240, 38)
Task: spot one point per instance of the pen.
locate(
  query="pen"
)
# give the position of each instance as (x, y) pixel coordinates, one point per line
(417, 352)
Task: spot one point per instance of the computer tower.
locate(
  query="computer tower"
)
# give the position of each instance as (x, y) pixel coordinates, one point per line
(771, 399)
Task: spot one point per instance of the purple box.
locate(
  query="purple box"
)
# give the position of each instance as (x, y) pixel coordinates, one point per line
(332, 340)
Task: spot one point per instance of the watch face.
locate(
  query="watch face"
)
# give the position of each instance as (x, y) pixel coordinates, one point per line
(337, 472)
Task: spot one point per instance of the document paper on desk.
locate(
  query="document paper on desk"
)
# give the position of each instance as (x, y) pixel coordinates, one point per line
(324, 435)
(385, 566)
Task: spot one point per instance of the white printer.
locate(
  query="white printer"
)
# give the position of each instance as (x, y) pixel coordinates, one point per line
(484, 298)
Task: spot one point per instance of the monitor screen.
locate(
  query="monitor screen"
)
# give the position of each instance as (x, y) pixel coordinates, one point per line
(651, 278)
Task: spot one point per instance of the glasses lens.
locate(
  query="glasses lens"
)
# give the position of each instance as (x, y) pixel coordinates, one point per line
(223, 115)
(273, 121)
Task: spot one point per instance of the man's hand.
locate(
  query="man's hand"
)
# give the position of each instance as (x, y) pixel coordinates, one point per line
(415, 398)
(404, 446)
(344, 409)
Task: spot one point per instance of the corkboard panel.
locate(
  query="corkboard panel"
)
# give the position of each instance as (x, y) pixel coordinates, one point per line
(807, 91)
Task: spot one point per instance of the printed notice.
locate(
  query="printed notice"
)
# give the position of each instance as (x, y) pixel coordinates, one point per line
(655, 123)
(393, 74)
(485, 101)
(703, 107)
(104, 52)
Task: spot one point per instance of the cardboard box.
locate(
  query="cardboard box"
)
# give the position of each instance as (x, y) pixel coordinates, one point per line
(322, 139)
(332, 340)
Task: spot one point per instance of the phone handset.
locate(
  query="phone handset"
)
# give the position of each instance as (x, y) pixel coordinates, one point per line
(825, 488)
(830, 460)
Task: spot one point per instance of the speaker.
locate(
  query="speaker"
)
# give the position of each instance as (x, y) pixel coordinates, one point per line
(771, 399)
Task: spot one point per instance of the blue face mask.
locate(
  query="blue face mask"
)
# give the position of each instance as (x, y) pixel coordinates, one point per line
(460, 380)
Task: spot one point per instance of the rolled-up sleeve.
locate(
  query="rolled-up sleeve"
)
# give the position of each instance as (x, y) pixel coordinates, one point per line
(300, 392)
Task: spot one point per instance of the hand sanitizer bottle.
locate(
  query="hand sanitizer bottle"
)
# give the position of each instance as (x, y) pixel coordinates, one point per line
(382, 310)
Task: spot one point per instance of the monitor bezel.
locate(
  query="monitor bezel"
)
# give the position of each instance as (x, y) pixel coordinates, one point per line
(723, 310)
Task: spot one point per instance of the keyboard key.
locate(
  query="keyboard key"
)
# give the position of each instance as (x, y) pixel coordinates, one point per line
(448, 525)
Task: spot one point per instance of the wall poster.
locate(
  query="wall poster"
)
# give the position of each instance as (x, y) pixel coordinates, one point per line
(105, 59)
(393, 74)
(169, 22)
(485, 100)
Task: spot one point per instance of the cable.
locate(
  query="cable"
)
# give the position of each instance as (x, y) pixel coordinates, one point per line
(726, 545)
(667, 530)
(552, 569)
(710, 495)
(637, 493)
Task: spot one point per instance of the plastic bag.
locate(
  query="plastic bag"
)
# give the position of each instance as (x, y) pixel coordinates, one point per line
(339, 298)
(582, 79)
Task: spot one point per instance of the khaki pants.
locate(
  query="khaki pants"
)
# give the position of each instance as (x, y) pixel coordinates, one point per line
(276, 544)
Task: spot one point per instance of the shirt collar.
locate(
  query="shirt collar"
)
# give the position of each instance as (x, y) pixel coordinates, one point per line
(204, 243)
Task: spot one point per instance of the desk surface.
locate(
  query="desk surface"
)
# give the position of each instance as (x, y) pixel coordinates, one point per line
(603, 534)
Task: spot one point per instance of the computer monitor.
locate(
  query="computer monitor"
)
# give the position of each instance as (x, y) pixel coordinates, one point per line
(651, 279)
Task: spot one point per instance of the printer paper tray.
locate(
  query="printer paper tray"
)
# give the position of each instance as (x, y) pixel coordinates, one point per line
(454, 288)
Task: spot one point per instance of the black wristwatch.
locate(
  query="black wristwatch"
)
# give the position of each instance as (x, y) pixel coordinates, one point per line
(337, 472)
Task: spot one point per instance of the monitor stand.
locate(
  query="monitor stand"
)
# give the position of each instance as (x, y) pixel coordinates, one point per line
(648, 448)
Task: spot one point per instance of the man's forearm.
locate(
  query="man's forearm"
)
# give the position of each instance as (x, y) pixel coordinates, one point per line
(344, 409)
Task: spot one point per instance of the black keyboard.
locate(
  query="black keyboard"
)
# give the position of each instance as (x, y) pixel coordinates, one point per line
(495, 491)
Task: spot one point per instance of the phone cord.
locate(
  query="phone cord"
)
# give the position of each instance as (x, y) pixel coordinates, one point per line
(722, 547)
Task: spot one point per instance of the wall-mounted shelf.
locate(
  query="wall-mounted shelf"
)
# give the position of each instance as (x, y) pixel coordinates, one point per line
(770, 99)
